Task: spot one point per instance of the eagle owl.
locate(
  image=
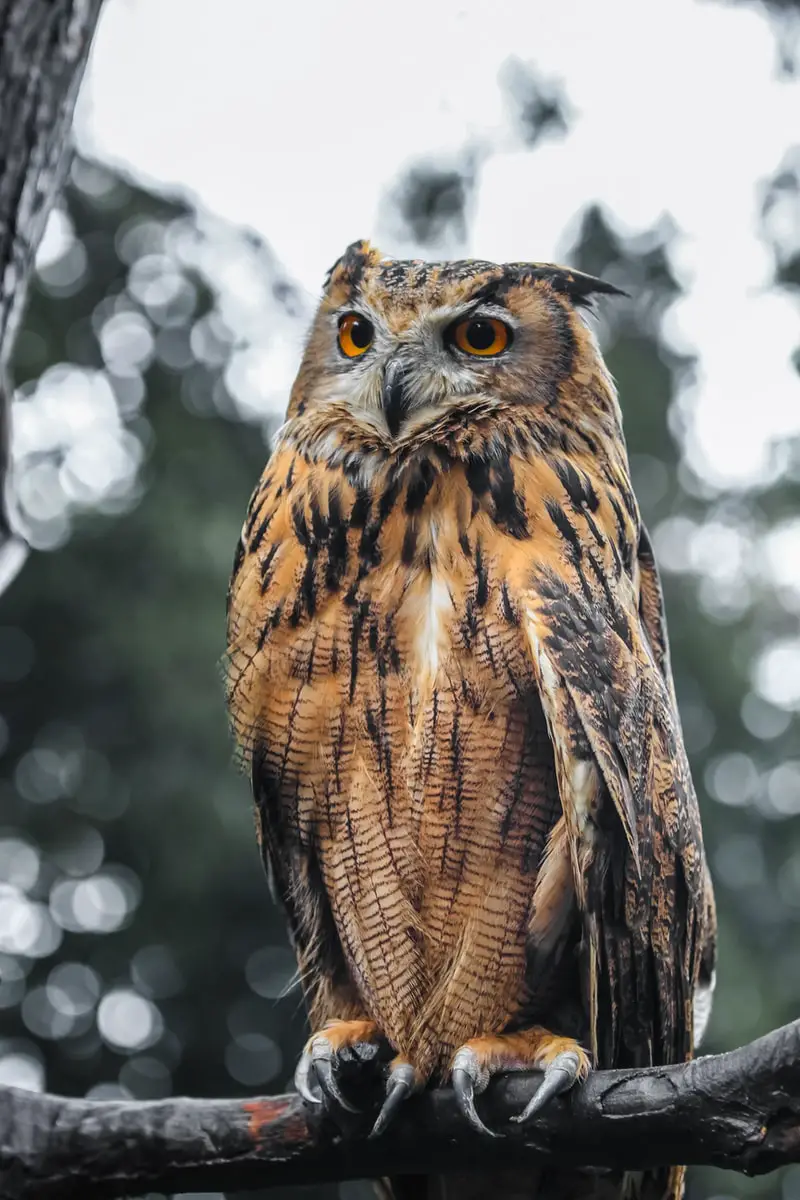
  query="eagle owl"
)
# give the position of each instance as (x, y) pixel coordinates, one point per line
(449, 675)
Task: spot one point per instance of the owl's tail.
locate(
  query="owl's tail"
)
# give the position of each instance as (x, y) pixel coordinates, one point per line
(537, 1185)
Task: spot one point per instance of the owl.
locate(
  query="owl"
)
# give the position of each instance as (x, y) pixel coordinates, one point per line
(449, 676)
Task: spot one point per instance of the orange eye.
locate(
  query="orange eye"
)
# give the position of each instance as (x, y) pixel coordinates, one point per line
(355, 334)
(485, 336)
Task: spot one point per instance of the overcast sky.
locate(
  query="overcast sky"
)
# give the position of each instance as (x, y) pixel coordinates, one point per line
(294, 118)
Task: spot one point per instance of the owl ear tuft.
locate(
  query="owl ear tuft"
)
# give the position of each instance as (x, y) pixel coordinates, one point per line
(350, 267)
(580, 288)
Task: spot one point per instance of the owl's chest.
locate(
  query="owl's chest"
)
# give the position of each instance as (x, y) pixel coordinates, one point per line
(378, 617)
(449, 609)
(414, 602)
(395, 691)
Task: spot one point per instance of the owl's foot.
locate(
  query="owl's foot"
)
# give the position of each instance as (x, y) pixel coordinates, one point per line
(340, 1049)
(564, 1063)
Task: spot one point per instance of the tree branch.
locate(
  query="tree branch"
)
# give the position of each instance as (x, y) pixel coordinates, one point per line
(739, 1110)
(44, 45)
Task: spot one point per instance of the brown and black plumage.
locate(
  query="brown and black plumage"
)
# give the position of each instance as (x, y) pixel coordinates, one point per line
(449, 674)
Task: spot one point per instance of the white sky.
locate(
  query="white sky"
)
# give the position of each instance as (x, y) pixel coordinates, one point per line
(294, 119)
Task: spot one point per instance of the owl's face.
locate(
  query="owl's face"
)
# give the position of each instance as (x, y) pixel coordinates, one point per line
(397, 343)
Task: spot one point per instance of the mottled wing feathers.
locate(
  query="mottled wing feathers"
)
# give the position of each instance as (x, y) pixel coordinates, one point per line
(651, 610)
(628, 798)
(265, 705)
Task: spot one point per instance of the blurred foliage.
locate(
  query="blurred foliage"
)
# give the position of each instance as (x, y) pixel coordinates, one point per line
(430, 205)
(784, 15)
(140, 953)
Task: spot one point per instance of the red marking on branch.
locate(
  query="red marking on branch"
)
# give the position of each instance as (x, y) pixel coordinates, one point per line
(265, 1114)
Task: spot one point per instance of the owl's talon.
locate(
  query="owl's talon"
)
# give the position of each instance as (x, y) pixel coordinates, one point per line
(559, 1076)
(316, 1075)
(302, 1077)
(464, 1089)
(401, 1083)
(468, 1077)
(325, 1071)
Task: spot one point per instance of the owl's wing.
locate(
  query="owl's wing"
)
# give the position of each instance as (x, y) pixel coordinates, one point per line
(315, 704)
(651, 609)
(281, 721)
(597, 638)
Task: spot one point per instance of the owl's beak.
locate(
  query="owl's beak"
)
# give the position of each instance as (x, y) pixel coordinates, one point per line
(394, 397)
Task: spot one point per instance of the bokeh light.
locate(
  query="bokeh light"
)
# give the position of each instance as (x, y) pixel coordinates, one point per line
(21, 1071)
(128, 1021)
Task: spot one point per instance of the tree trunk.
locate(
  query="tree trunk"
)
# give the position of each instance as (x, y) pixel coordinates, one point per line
(44, 45)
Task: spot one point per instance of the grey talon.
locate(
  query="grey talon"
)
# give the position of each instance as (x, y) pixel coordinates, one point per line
(326, 1076)
(464, 1088)
(399, 1086)
(559, 1076)
(301, 1080)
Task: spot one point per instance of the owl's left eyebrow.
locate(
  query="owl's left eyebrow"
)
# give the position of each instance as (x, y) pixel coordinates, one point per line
(492, 292)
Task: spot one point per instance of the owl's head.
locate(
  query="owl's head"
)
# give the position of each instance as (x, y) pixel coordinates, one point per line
(397, 343)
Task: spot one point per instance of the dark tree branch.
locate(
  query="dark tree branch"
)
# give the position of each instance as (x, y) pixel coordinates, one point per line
(739, 1110)
(44, 45)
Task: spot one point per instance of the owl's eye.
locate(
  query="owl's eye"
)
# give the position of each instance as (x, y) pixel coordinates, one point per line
(485, 336)
(355, 334)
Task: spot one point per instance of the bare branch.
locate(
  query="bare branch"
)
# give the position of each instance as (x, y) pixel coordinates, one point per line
(739, 1110)
(44, 45)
